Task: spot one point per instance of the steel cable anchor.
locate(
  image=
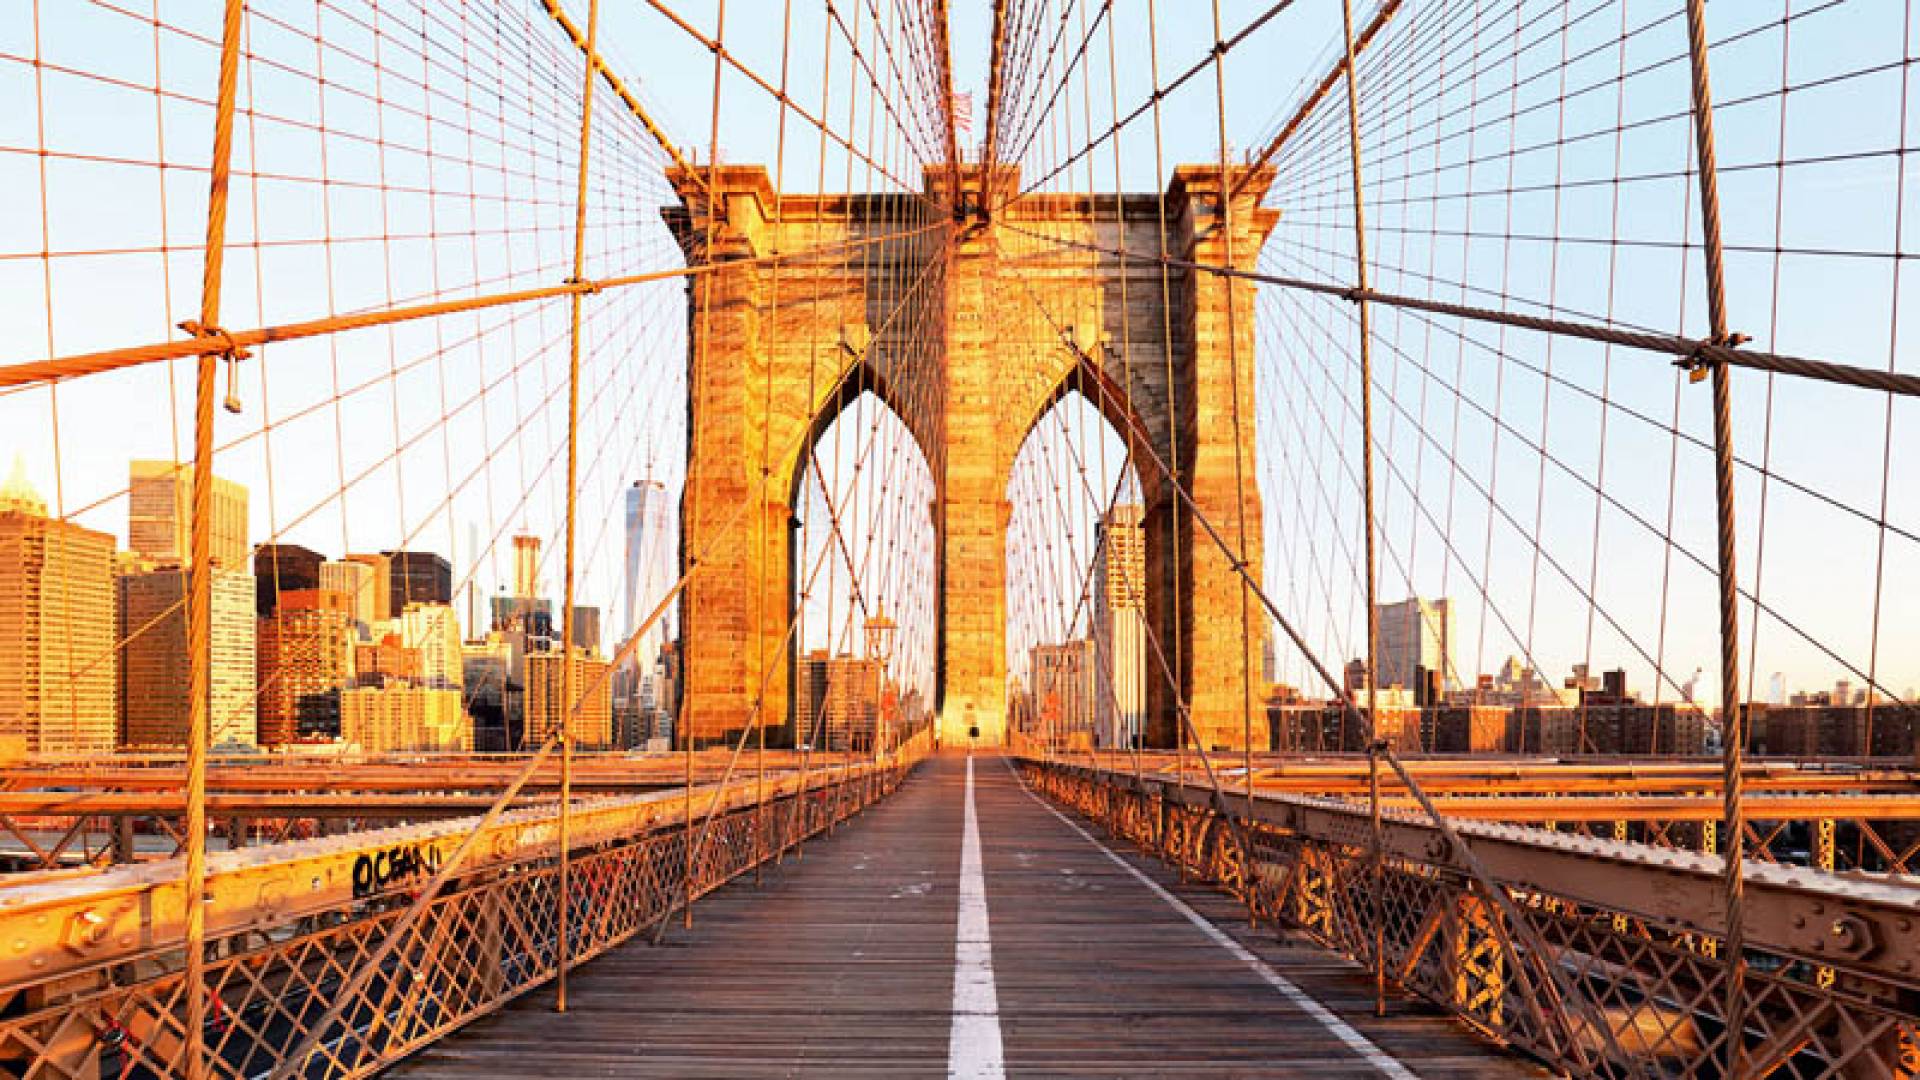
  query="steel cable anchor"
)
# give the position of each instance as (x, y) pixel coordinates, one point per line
(231, 352)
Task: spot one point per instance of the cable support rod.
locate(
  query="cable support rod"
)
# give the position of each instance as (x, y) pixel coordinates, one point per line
(1367, 496)
(1692, 352)
(1063, 84)
(943, 55)
(1313, 100)
(1759, 469)
(200, 542)
(563, 910)
(1221, 48)
(720, 51)
(619, 87)
(1732, 725)
(873, 75)
(224, 341)
(698, 364)
(996, 79)
(766, 406)
(374, 467)
(1614, 502)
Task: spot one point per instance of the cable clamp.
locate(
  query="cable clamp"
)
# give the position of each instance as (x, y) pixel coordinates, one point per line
(1698, 361)
(230, 349)
(585, 285)
(232, 352)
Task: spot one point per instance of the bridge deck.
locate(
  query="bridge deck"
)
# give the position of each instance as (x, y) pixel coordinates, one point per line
(843, 964)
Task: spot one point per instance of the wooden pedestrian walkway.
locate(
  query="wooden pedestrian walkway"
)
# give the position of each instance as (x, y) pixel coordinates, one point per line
(1086, 961)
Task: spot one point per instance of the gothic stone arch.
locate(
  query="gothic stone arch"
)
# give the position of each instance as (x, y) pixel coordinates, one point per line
(775, 349)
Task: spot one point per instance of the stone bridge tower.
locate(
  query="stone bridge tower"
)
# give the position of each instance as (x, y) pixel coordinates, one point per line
(969, 329)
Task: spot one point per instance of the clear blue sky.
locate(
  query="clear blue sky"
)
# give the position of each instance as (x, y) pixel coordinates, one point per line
(1828, 291)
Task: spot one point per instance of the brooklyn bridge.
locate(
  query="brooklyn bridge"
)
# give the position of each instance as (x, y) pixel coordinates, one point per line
(898, 538)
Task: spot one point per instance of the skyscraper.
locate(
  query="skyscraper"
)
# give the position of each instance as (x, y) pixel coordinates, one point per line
(402, 716)
(651, 558)
(406, 692)
(417, 577)
(355, 581)
(160, 515)
(838, 706)
(1120, 628)
(152, 624)
(593, 725)
(435, 632)
(584, 630)
(305, 659)
(1063, 691)
(1416, 636)
(381, 589)
(385, 661)
(523, 611)
(810, 702)
(491, 694)
(526, 565)
(666, 690)
(57, 657)
(279, 568)
(649, 561)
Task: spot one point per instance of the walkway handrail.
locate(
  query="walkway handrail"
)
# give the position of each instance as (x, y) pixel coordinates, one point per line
(296, 926)
(1630, 928)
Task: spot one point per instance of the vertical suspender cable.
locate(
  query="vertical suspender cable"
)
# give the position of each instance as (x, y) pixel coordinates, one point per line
(715, 207)
(563, 900)
(1366, 499)
(1173, 401)
(1732, 727)
(760, 818)
(1366, 372)
(1239, 556)
(200, 599)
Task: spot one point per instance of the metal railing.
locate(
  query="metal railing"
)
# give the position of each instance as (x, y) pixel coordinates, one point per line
(1602, 958)
(301, 979)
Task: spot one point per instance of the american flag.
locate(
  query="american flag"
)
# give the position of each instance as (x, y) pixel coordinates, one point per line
(962, 116)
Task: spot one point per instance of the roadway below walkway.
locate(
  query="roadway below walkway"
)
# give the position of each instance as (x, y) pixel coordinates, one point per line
(916, 943)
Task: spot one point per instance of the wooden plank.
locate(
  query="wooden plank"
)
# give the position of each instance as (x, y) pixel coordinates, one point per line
(841, 964)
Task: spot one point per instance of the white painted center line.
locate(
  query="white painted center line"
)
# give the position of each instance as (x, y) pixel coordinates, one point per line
(1340, 1029)
(973, 1048)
